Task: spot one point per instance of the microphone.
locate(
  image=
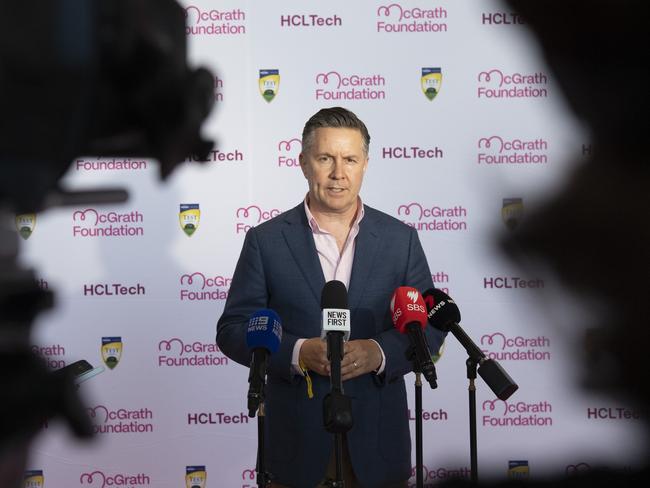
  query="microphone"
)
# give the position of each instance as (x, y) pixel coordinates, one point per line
(336, 325)
(263, 336)
(444, 315)
(337, 407)
(409, 316)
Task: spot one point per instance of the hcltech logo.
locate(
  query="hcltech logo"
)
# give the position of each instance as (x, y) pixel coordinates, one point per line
(25, 224)
(269, 83)
(195, 477)
(111, 351)
(512, 211)
(518, 470)
(430, 82)
(34, 479)
(189, 217)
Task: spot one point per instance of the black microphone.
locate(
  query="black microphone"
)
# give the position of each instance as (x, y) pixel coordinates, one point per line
(444, 315)
(336, 325)
(263, 337)
(337, 407)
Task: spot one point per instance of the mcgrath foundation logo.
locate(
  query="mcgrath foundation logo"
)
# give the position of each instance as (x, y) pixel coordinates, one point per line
(201, 22)
(113, 164)
(579, 468)
(34, 479)
(217, 84)
(121, 420)
(288, 152)
(99, 479)
(189, 217)
(500, 347)
(176, 353)
(430, 82)
(249, 477)
(247, 217)
(435, 475)
(53, 355)
(500, 413)
(349, 86)
(434, 218)
(92, 223)
(496, 151)
(199, 287)
(441, 281)
(25, 225)
(518, 470)
(395, 18)
(196, 477)
(111, 351)
(495, 83)
(269, 83)
(512, 211)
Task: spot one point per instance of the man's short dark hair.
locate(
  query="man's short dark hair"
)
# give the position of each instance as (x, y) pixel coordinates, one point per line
(337, 118)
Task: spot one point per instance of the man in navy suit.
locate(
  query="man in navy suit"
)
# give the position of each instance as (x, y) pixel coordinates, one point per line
(284, 265)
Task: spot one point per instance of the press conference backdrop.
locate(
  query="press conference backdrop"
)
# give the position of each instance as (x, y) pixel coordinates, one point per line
(469, 131)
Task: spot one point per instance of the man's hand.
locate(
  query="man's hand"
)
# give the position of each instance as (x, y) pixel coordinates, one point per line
(313, 354)
(360, 356)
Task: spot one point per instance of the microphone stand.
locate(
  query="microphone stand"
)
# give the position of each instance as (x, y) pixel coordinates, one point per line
(263, 478)
(419, 462)
(337, 407)
(473, 451)
(493, 374)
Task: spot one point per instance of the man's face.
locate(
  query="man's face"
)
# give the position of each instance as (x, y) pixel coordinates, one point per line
(334, 165)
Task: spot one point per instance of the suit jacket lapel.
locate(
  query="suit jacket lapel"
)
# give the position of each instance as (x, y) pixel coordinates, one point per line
(365, 252)
(300, 240)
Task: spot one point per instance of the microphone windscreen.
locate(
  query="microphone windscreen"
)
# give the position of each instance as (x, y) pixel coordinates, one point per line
(441, 309)
(407, 306)
(264, 331)
(334, 295)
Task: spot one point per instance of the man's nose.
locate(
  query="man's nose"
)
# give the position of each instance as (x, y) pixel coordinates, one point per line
(337, 169)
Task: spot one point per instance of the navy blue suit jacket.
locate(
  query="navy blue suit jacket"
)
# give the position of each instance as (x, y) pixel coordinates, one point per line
(279, 269)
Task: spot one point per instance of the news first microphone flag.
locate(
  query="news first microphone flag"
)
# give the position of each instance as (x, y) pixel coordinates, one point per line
(468, 131)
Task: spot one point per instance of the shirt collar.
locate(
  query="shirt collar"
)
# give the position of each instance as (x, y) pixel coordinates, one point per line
(313, 223)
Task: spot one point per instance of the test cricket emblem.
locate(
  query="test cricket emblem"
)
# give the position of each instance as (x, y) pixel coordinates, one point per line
(269, 83)
(111, 351)
(512, 211)
(195, 477)
(518, 470)
(430, 82)
(189, 217)
(25, 224)
(34, 479)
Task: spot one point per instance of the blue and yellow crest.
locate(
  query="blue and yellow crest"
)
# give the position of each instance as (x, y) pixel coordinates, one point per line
(269, 83)
(195, 477)
(189, 217)
(518, 469)
(34, 479)
(25, 224)
(512, 211)
(111, 351)
(430, 82)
